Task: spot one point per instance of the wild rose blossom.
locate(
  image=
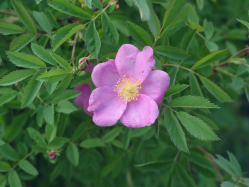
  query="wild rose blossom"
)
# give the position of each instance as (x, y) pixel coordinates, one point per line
(128, 89)
(82, 100)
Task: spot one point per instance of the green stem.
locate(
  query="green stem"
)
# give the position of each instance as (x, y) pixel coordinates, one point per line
(175, 160)
(182, 68)
(26, 156)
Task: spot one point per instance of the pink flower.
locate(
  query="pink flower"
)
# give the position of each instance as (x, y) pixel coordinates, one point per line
(82, 100)
(128, 89)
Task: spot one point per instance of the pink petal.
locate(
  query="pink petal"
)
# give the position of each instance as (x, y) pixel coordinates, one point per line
(83, 87)
(140, 113)
(134, 63)
(107, 107)
(78, 101)
(90, 67)
(105, 74)
(82, 100)
(155, 85)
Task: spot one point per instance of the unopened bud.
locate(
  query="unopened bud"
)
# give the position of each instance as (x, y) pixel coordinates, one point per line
(52, 155)
(83, 64)
(19, 84)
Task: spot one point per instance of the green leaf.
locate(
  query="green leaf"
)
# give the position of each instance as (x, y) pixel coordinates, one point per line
(49, 114)
(143, 9)
(9, 28)
(20, 42)
(28, 167)
(139, 34)
(111, 135)
(156, 128)
(139, 131)
(207, 121)
(175, 130)
(215, 90)
(238, 82)
(172, 74)
(43, 21)
(38, 1)
(73, 154)
(50, 132)
(3, 181)
(154, 166)
(196, 127)
(211, 58)
(15, 127)
(80, 130)
(211, 46)
(14, 180)
(246, 87)
(88, 3)
(58, 143)
(50, 87)
(175, 89)
(97, 3)
(32, 89)
(53, 76)
(7, 151)
(4, 166)
(235, 164)
(158, 63)
(43, 54)
(187, 40)
(244, 23)
(64, 33)
(51, 19)
(37, 137)
(66, 95)
(228, 184)
(209, 29)
(192, 102)
(200, 160)
(92, 40)
(24, 15)
(185, 179)
(25, 60)
(69, 8)
(1, 142)
(7, 98)
(225, 164)
(65, 107)
(126, 137)
(200, 4)
(91, 143)
(175, 25)
(192, 16)
(173, 11)
(154, 22)
(194, 85)
(57, 170)
(109, 29)
(171, 52)
(61, 61)
(16, 76)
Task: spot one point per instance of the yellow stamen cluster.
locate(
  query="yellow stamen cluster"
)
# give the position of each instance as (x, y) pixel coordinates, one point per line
(127, 88)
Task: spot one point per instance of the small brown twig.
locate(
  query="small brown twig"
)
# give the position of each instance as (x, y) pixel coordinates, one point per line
(75, 40)
(210, 157)
(7, 13)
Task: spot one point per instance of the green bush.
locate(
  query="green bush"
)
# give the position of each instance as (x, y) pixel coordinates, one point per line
(47, 140)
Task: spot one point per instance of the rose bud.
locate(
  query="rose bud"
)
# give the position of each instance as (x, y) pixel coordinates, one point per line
(52, 155)
(83, 64)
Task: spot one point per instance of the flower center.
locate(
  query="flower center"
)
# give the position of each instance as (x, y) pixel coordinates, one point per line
(128, 88)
